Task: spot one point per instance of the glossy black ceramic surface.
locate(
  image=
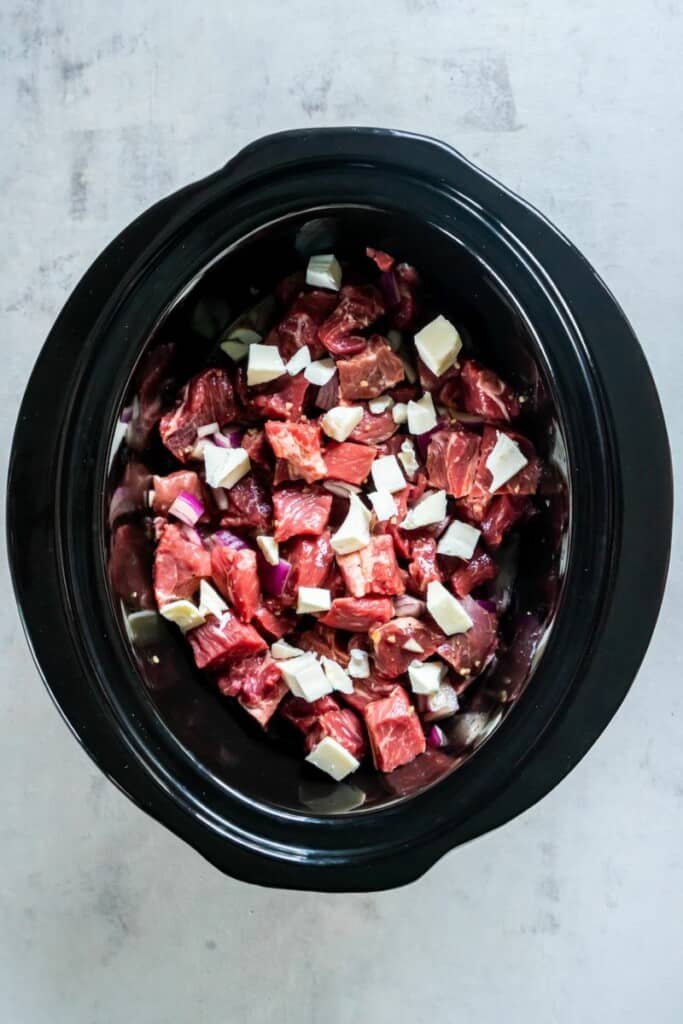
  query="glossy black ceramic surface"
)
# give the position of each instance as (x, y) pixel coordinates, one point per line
(594, 568)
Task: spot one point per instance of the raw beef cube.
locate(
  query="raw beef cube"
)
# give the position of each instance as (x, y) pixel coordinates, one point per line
(371, 372)
(207, 398)
(255, 678)
(343, 726)
(299, 444)
(524, 482)
(155, 376)
(274, 623)
(235, 574)
(289, 287)
(293, 332)
(248, 505)
(501, 514)
(469, 653)
(324, 641)
(358, 613)
(394, 729)
(480, 569)
(303, 714)
(403, 315)
(220, 641)
(366, 690)
(300, 512)
(485, 394)
(310, 559)
(257, 448)
(318, 304)
(358, 307)
(383, 260)
(391, 659)
(421, 772)
(372, 570)
(424, 566)
(283, 399)
(130, 566)
(167, 489)
(348, 462)
(180, 562)
(452, 461)
(267, 706)
(374, 428)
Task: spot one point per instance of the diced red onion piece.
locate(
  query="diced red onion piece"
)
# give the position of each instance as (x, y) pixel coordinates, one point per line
(407, 605)
(208, 430)
(220, 497)
(389, 286)
(489, 606)
(227, 539)
(436, 737)
(273, 577)
(221, 441)
(187, 508)
(234, 436)
(340, 488)
(126, 414)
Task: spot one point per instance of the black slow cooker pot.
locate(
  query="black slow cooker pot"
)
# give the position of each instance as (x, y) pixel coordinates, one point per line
(590, 579)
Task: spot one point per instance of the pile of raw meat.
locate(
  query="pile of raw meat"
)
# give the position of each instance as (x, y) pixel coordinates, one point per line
(328, 540)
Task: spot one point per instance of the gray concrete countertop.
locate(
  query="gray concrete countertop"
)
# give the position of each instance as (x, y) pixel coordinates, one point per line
(572, 912)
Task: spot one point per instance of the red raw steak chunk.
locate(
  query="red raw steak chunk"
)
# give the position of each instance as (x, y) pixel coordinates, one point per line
(358, 613)
(403, 315)
(366, 690)
(248, 505)
(235, 574)
(283, 399)
(130, 566)
(424, 567)
(469, 653)
(501, 515)
(324, 640)
(485, 394)
(167, 489)
(358, 307)
(180, 562)
(480, 569)
(372, 570)
(371, 372)
(310, 559)
(299, 444)
(343, 726)
(220, 641)
(304, 715)
(207, 398)
(452, 460)
(374, 428)
(300, 512)
(388, 640)
(274, 621)
(394, 730)
(348, 462)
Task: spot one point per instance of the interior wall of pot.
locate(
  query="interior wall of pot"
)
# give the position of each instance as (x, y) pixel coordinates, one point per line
(215, 732)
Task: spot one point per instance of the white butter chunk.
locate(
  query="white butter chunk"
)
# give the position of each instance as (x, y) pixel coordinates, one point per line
(387, 475)
(320, 371)
(264, 364)
(505, 461)
(446, 610)
(341, 421)
(413, 646)
(383, 504)
(304, 677)
(282, 651)
(330, 757)
(421, 415)
(359, 666)
(432, 509)
(237, 350)
(381, 404)
(225, 466)
(336, 676)
(438, 345)
(407, 458)
(183, 613)
(210, 601)
(324, 272)
(354, 532)
(426, 676)
(459, 541)
(299, 361)
(312, 599)
(400, 413)
(270, 549)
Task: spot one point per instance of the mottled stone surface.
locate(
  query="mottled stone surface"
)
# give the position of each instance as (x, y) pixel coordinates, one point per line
(571, 913)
